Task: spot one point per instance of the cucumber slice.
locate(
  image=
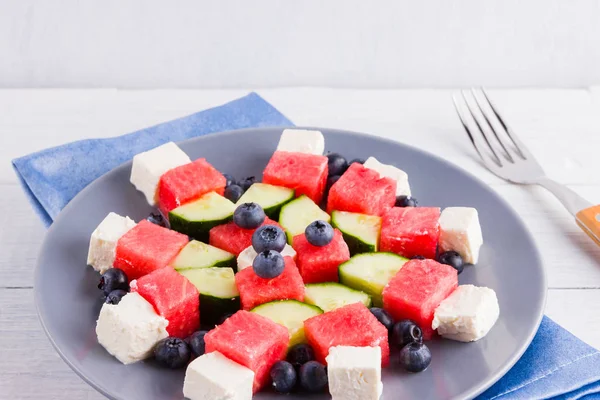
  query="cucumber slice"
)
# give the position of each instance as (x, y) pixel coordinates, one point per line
(218, 293)
(196, 254)
(198, 217)
(298, 214)
(271, 198)
(361, 231)
(370, 272)
(291, 314)
(331, 295)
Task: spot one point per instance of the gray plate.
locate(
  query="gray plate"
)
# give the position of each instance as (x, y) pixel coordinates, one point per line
(68, 301)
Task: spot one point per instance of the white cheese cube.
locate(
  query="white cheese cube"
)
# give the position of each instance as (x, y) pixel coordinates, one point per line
(150, 165)
(389, 171)
(467, 314)
(213, 376)
(103, 242)
(129, 330)
(246, 257)
(302, 141)
(460, 231)
(354, 373)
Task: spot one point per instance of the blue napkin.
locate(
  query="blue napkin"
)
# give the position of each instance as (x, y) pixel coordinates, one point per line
(557, 364)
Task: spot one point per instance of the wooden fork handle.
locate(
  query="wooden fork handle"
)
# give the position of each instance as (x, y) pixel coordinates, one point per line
(588, 220)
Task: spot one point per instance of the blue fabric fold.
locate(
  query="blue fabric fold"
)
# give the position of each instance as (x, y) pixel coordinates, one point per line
(556, 364)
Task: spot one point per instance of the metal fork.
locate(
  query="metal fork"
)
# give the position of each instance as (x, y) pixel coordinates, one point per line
(507, 157)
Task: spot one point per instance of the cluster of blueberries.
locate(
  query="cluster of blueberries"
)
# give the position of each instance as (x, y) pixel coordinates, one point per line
(235, 189)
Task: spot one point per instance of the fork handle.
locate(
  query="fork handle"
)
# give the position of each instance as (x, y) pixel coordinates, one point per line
(588, 220)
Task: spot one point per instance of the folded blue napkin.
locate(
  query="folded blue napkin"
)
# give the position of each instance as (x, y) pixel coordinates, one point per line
(557, 364)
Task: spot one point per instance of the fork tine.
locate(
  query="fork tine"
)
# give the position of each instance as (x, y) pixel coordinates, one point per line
(497, 159)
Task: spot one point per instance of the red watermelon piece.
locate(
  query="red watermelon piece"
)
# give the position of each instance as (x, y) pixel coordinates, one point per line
(188, 182)
(146, 248)
(305, 173)
(411, 231)
(416, 291)
(351, 325)
(255, 290)
(251, 340)
(174, 297)
(320, 264)
(232, 238)
(362, 190)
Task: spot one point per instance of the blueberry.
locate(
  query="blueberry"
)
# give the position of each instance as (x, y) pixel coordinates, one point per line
(229, 180)
(197, 344)
(313, 377)
(249, 216)
(115, 296)
(224, 318)
(331, 180)
(268, 237)
(113, 279)
(157, 218)
(384, 317)
(406, 201)
(336, 164)
(319, 233)
(300, 354)
(415, 357)
(283, 376)
(418, 258)
(172, 353)
(233, 193)
(406, 331)
(247, 182)
(268, 264)
(357, 160)
(452, 259)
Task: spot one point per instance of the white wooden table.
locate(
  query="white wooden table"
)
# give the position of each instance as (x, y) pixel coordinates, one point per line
(561, 127)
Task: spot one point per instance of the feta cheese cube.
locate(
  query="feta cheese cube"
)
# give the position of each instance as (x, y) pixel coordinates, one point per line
(354, 373)
(129, 330)
(460, 231)
(246, 257)
(386, 170)
(467, 314)
(302, 141)
(150, 165)
(103, 242)
(214, 376)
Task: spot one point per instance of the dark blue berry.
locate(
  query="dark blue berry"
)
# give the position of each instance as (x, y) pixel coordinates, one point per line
(197, 344)
(406, 201)
(224, 318)
(331, 180)
(229, 180)
(268, 264)
(319, 233)
(300, 354)
(233, 193)
(157, 219)
(113, 279)
(384, 317)
(453, 259)
(115, 296)
(418, 258)
(247, 182)
(313, 377)
(357, 160)
(406, 331)
(269, 237)
(336, 164)
(283, 376)
(172, 353)
(249, 216)
(415, 357)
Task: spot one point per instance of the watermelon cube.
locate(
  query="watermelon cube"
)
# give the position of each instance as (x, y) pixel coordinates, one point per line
(362, 190)
(411, 231)
(255, 290)
(188, 182)
(351, 325)
(416, 291)
(251, 340)
(320, 263)
(305, 173)
(232, 238)
(146, 248)
(174, 297)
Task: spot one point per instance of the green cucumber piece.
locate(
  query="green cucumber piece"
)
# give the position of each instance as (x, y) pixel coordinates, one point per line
(370, 272)
(196, 254)
(196, 218)
(360, 231)
(331, 295)
(218, 293)
(291, 314)
(296, 215)
(271, 198)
